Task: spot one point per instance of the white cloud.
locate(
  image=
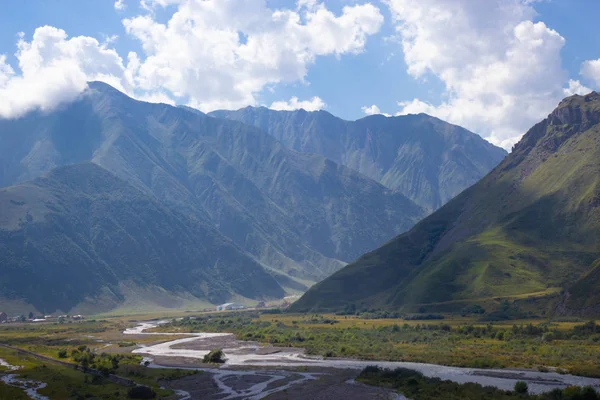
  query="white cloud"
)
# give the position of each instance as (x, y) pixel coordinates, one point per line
(575, 87)
(591, 70)
(314, 104)
(373, 110)
(222, 53)
(211, 54)
(53, 69)
(501, 71)
(119, 5)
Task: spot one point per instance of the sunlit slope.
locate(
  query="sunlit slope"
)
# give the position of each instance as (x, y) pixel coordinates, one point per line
(532, 223)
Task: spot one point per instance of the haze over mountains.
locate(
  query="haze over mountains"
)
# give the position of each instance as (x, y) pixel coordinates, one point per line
(82, 236)
(295, 217)
(532, 225)
(110, 201)
(427, 160)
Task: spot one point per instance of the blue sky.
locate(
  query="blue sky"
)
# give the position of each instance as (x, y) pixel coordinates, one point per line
(493, 66)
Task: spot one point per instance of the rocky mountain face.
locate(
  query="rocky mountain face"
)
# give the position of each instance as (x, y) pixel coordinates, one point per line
(299, 216)
(426, 159)
(530, 226)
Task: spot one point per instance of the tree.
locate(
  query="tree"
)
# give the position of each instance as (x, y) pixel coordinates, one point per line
(214, 357)
(521, 387)
(62, 353)
(115, 362)
(30, 314)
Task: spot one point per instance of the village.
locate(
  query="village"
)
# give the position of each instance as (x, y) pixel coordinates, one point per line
(5, 319)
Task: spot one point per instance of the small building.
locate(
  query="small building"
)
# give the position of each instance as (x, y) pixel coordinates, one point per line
(230, 306)
(3, 317)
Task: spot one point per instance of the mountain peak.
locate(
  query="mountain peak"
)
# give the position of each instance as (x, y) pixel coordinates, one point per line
(575, 110)
(531, 225)
(424, 158)
(573, 115)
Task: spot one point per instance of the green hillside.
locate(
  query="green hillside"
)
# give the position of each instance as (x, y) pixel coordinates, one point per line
(531, 225)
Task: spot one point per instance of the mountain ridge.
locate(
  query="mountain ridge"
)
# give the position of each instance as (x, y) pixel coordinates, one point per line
(424, 158)
(78, 232)
(530, 225)
(298, 215)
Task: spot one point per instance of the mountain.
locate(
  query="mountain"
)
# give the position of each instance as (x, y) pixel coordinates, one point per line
(80, 233)
(298, 215)
(428, 160)
(530, 226)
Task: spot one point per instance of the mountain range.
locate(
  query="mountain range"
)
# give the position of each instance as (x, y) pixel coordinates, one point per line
(424, 158)
(530, 229)
(111, 202)
(81, 236)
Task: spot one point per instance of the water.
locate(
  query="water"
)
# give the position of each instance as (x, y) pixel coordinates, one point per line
(505, 379)
(30, 387)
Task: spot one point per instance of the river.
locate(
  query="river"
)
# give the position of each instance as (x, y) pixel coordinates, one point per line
(197, 345)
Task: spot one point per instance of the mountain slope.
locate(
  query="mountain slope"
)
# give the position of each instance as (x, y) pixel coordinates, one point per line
(531, 225)
(299, 215)
(424, 158)
(77, 234)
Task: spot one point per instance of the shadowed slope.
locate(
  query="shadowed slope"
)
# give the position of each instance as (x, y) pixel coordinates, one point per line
(299, 215)
(78, 232)
(422, 157)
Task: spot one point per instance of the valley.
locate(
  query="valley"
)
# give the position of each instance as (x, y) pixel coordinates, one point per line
(300, 200)
(274, 355)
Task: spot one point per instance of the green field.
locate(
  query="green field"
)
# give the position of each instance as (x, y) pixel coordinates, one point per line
(564, 346)
(64, 342)
(572, 347)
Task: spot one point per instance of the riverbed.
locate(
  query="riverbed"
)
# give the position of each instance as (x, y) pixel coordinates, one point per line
(243, 354)
(30, 387)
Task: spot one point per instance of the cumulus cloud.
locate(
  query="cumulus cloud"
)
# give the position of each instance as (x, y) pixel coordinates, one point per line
(501, 70)
(53, 69)
(373, 110)
(314, 104)
(591, 70)
(576, 87)
(222, 53)
(119, 5)
(210, 54)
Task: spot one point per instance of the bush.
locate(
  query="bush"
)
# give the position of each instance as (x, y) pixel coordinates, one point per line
(62, 353)
(141, 392)
(521, 387)
(548, 337)
(214, 357)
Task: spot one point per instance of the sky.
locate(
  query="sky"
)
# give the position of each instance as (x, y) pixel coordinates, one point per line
(495, 67)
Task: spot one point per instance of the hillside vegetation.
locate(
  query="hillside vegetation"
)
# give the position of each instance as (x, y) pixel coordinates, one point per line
(530, 225)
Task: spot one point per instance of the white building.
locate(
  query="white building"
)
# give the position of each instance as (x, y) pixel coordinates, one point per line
(230, 306)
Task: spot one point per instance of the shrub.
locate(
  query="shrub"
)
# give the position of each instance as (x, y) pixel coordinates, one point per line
(521, 387)
(62, 353)
(548, 337)
(214, 357)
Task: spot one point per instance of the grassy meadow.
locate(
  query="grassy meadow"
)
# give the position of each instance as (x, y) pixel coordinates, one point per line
(96, 342)
(563, 346)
